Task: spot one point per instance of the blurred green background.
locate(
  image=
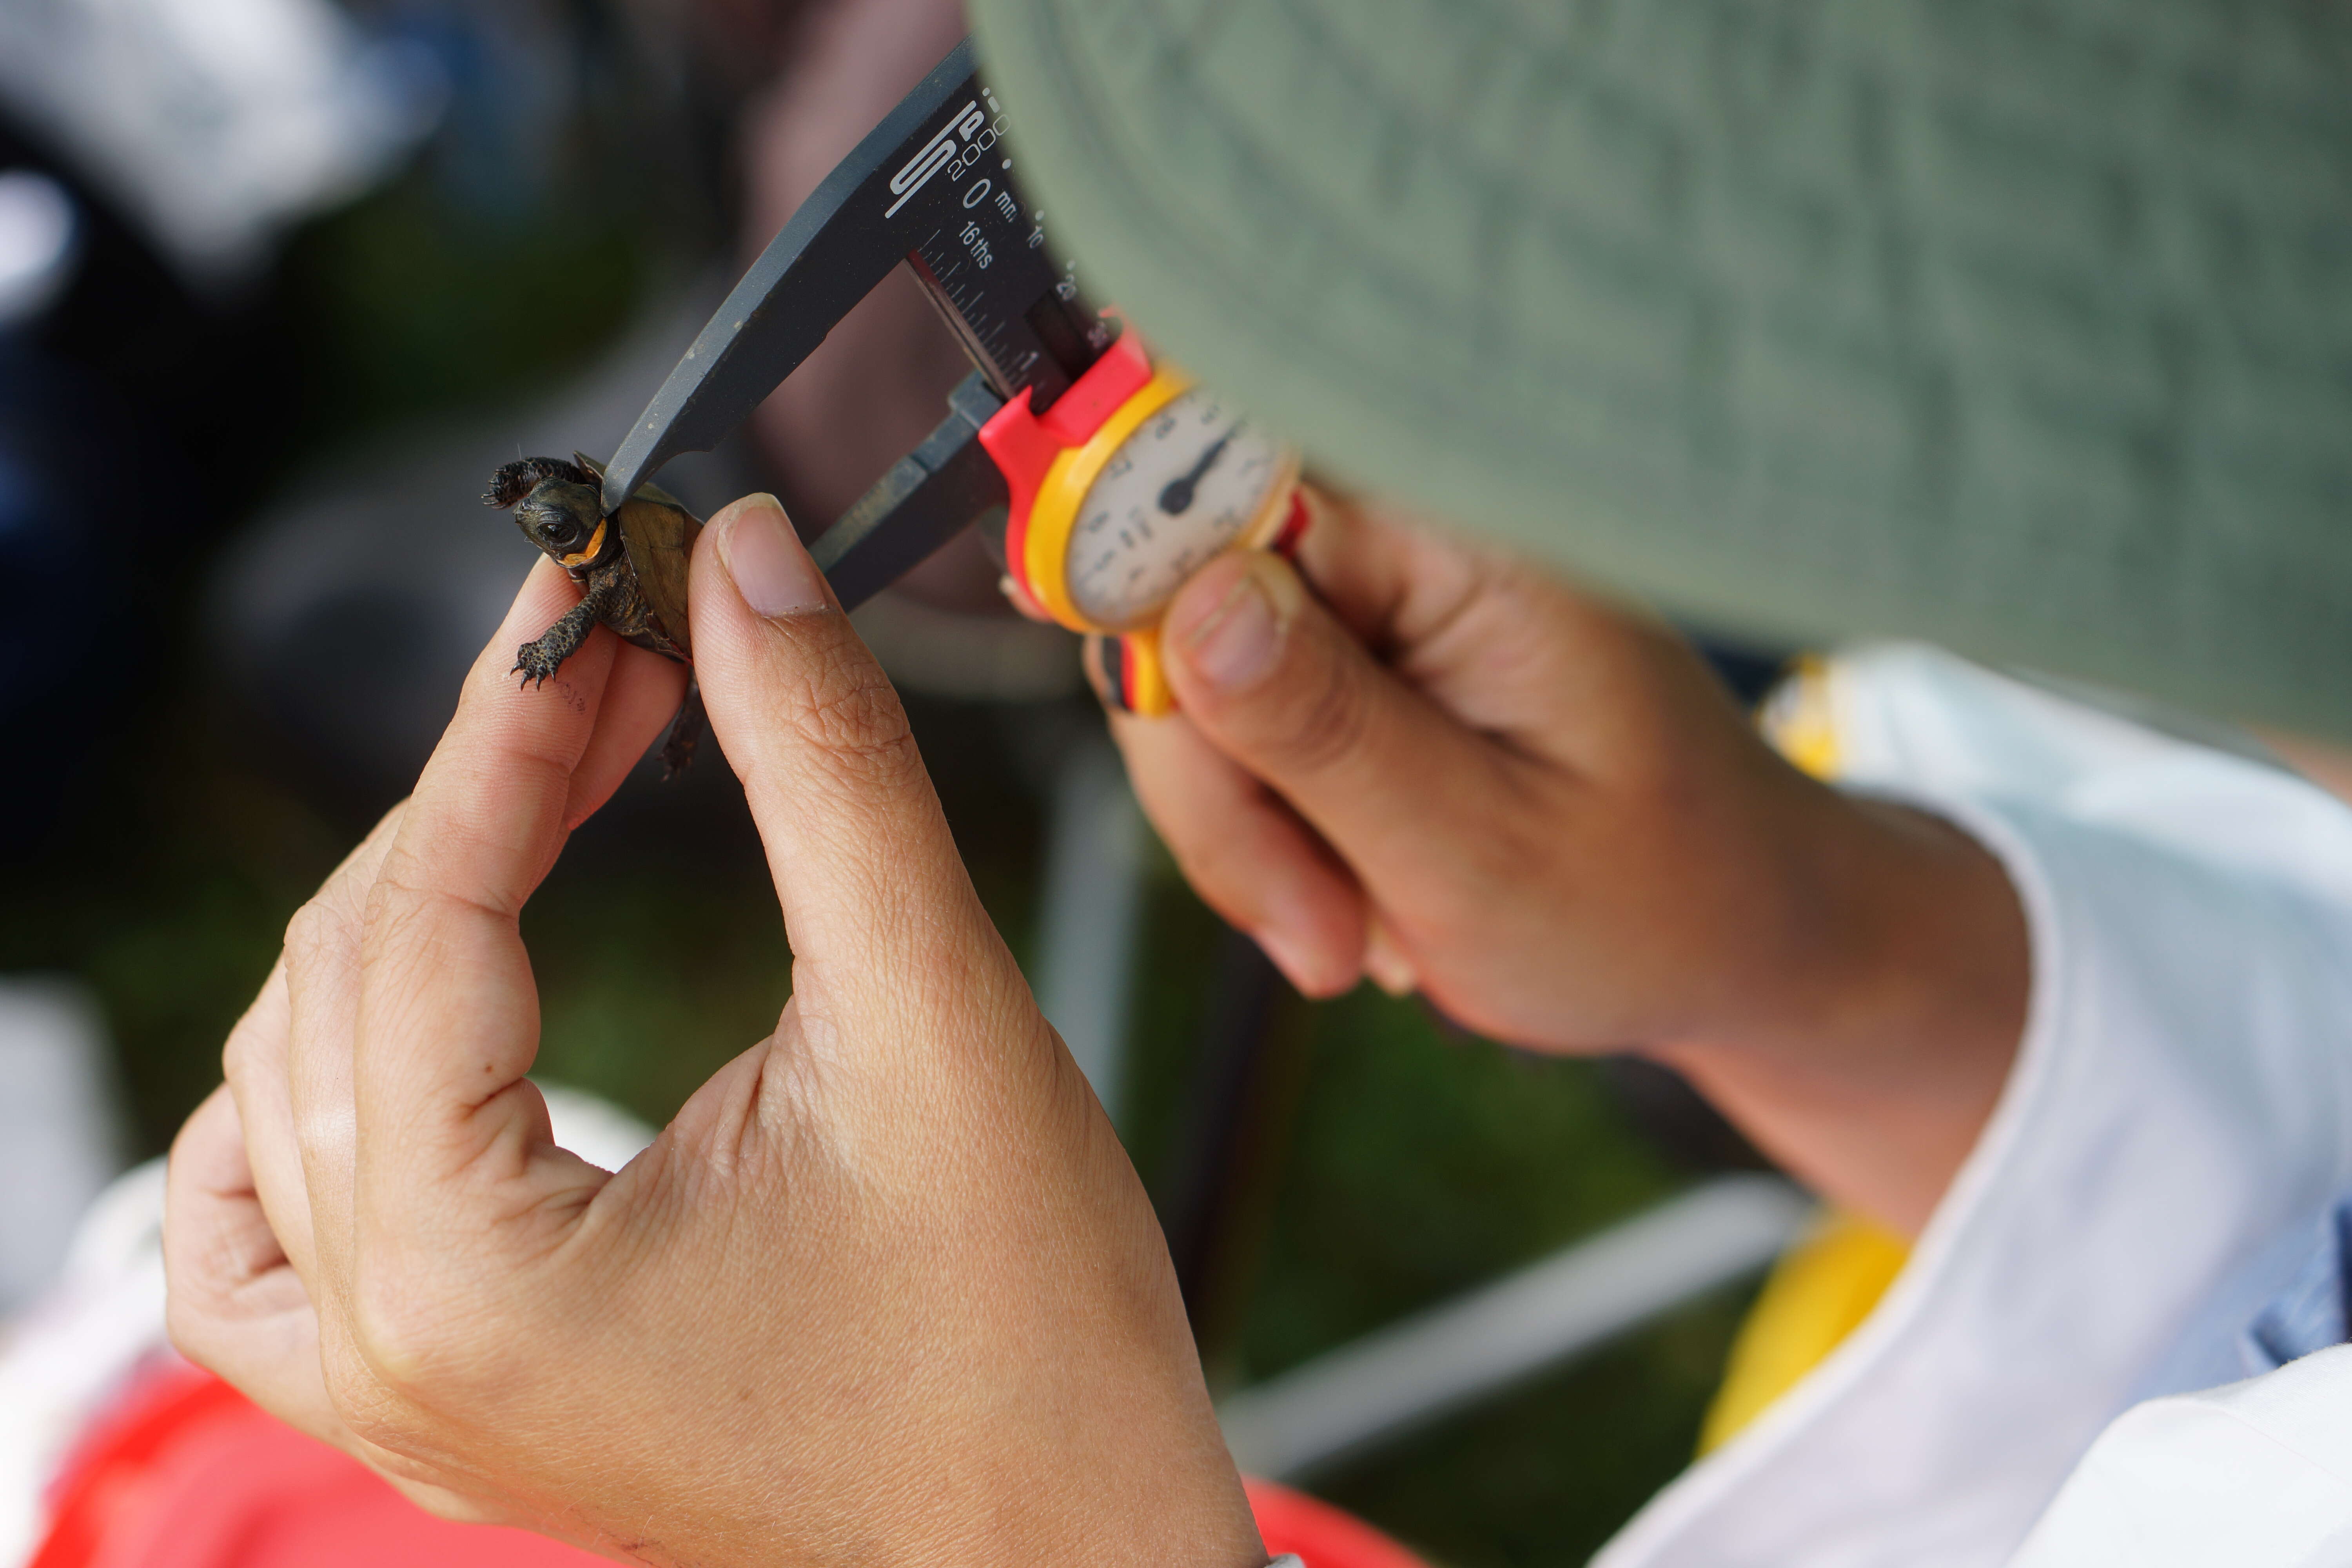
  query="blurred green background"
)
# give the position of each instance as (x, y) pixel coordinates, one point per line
(1397, 1164)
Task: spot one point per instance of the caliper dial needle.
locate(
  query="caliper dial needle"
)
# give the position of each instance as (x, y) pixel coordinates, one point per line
(1176, 497)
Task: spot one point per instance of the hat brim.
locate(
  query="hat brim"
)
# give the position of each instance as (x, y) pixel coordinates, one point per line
(2033, 337)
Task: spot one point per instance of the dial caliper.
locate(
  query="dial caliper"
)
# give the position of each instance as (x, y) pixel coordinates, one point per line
(1101, 477)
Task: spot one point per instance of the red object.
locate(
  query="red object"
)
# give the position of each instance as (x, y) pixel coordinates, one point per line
(185, 1472)
(1326, 1537)
(1024, 444)
(1294, 528)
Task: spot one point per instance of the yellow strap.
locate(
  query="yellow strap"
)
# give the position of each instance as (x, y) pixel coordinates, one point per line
(1801, 718)
(1818, 1293)
(1148, 695)
(596, 543)
(1045, 567)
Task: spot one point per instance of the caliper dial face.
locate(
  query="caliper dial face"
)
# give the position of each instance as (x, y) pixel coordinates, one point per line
(1189, 481)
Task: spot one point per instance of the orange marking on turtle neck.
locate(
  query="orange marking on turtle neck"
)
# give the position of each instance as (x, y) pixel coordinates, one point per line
(596, 543)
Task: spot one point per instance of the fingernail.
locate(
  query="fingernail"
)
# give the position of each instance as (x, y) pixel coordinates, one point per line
(1236, 644)
(1385, 961)
(770, 569)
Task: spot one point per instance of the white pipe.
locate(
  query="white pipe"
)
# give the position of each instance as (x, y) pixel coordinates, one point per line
(1092, 915)
(1460, 1351)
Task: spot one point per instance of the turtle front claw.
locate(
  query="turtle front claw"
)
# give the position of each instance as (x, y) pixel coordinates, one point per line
(544, 654)
(533, 663)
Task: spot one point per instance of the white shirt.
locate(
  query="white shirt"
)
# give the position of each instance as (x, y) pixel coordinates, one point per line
(2181, 1109)
(2256, 1475)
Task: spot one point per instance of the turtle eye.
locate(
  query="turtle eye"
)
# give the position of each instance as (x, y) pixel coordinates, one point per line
(564, 533)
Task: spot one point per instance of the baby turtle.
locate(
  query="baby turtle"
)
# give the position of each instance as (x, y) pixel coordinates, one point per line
(631, 567)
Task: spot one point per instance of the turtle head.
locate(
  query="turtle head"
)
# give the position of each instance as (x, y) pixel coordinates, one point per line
(559, 506)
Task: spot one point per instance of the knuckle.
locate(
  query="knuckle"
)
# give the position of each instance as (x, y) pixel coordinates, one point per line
(399, 918)
(402, 1347)
(193, 1330)
(421, 1334)
(313, 928)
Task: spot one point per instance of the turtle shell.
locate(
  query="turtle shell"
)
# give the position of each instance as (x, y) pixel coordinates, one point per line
(659, 533)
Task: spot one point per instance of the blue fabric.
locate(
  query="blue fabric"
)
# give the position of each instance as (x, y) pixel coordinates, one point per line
(2313, 1312)
(2208, 1351)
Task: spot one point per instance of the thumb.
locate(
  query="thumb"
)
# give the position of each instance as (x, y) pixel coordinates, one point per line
(1273, 680)
(864, 865)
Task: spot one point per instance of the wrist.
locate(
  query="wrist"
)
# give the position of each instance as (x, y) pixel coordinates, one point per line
(1927, 949)
(1898, 1007)
(1893, 927)
(1155, 1488)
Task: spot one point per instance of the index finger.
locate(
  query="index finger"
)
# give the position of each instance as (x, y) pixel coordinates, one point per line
(446, 1022)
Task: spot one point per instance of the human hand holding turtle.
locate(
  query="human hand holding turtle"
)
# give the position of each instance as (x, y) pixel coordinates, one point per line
(887, 1289)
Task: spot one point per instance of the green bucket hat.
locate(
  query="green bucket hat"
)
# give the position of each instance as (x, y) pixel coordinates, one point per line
(2023, 325)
